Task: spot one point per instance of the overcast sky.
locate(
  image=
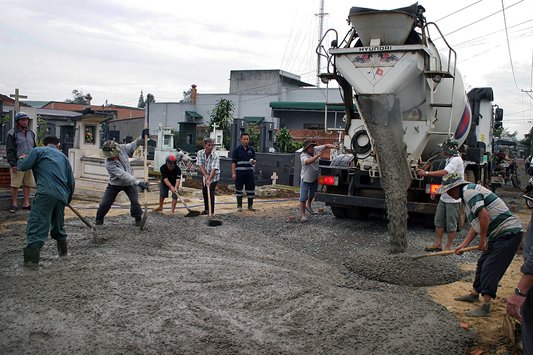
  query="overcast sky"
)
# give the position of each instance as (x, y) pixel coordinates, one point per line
(113, 49)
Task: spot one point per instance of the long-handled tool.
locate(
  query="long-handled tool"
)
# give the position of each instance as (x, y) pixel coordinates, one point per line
(212, 222)
(145, 215)
(191, 212)
(445, 252)
(95, 235)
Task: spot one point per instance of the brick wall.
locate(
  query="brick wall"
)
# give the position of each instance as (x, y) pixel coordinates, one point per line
(319, 136)
(5, 179)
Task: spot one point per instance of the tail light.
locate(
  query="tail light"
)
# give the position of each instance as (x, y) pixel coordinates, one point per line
(328, 180)
(431, 188)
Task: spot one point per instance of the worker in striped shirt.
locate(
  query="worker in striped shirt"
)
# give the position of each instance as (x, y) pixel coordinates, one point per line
(500, 234)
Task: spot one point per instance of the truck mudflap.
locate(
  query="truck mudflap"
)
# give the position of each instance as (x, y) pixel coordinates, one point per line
(345, 201)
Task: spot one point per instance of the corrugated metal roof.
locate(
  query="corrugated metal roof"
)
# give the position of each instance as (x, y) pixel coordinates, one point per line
(194, 114)
(253, 119)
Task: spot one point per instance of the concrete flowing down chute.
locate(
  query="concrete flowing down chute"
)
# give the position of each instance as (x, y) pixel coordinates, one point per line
(408, 98)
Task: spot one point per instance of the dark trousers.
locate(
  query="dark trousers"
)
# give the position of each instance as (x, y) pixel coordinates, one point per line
(245, 178)
(494, 261)
(110, 196)
(47, 214)
(212, 192)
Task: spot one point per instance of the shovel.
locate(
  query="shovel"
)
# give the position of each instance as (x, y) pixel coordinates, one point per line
(95, 235)
(145, 215)
(212, 222)
(446, 252)
(191, 212)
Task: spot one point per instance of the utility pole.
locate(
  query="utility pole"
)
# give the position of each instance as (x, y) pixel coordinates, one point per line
(320, 15)
(17, 96)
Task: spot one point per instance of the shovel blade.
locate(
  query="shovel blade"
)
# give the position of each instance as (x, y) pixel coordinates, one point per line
(193, 214)
(214, 223)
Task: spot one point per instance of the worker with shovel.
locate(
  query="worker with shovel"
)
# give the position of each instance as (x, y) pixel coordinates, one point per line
(208, 162)
(170, 180)
(500, 235)
(121, 178)
(55, 187)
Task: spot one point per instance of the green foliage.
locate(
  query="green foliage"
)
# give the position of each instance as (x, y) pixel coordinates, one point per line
(222, 115)
(141, 103)
(254, 132)
(286, 142)
(176, 135)
(42, 133)
(527, 142)
(5, 118)
(79, 98)
(149, 98)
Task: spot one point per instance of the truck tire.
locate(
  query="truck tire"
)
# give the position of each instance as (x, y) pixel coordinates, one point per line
(339, 212)
(357, 212)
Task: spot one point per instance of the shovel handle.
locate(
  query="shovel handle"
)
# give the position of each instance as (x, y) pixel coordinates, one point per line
(184, 204)
(446, 252)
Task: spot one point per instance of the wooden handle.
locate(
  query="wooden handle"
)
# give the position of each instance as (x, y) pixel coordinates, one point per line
(446, 252)
(80, 216)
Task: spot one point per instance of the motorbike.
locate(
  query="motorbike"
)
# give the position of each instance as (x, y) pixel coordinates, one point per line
(528, 193)
(512, 173)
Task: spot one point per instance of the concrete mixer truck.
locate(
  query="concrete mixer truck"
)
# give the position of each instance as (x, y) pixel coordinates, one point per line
(402, 97)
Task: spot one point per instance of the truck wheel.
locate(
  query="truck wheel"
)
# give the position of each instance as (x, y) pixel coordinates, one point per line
(358, 212)
(339, 212)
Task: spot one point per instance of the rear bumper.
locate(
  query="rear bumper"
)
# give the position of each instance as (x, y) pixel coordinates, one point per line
(345, 201)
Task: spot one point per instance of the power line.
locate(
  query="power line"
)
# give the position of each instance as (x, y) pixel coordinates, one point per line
(453, 13)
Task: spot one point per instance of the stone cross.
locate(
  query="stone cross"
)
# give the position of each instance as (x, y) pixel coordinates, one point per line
(274, 178)
(17, 96)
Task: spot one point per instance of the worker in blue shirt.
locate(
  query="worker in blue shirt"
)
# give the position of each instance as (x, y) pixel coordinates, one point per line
(242, 162)
(55, 187)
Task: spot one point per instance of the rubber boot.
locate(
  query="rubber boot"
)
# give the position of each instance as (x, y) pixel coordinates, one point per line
(251, 204)
(470, 298)
(483, 311)
(239, 203)
(62, 247)
(32, 255)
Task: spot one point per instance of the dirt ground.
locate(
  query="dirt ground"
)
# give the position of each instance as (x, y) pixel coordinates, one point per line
(138, 293)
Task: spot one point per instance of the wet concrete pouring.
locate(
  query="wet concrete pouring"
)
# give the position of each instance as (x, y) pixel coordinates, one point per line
(257, 284)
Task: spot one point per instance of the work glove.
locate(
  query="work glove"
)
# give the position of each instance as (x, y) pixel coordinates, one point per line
(145, 132)
(144, 186)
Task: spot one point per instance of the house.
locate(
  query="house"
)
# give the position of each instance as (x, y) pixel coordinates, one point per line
(258, 96)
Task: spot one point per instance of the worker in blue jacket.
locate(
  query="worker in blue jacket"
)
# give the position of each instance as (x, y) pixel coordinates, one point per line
(55, 187)
(242, 162)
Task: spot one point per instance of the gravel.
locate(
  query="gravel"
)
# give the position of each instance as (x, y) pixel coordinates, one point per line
(259, 283)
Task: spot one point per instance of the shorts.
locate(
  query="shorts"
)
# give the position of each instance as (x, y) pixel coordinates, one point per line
(447, 215)
(163, 191)
(21, 178)
(307, 189)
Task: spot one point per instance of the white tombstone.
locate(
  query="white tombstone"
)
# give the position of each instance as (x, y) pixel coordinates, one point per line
(218, 138)
(165, 146)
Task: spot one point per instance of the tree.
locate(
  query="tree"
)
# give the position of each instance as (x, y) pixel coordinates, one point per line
(222, 115)
(79, 98)
(527, 142)
(254, 132)
(141, 103)
(286, 142)
(150, 98)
